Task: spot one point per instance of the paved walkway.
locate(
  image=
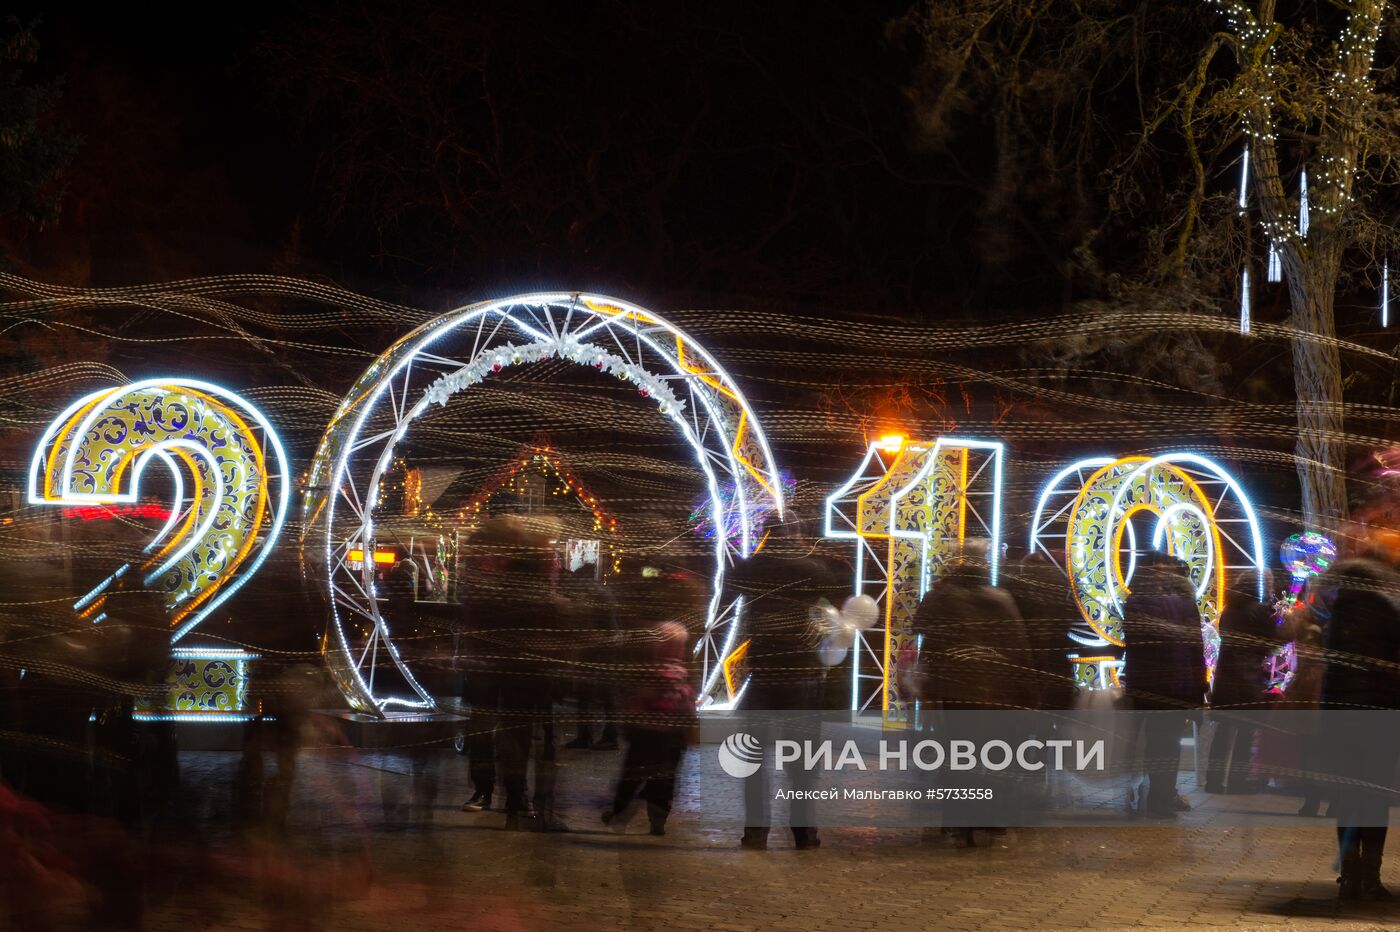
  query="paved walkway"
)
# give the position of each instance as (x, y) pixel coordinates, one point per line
(347, 867)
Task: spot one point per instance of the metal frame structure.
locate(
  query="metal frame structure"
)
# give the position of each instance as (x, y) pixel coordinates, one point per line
(917, 498)
(464, 347)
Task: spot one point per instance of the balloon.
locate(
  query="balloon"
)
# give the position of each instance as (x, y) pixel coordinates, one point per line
(861, 611)
(824, 616)
(830, 653)
(843, 634)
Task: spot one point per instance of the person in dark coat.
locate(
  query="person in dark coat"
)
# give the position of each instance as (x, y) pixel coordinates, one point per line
(594, 689)
(780, 585)
(515, 646)
(1363, 651)
(972, 655)
(975, 653)
(1249, 632)
(1043, 596)
(1165, 671)
(1305, 625)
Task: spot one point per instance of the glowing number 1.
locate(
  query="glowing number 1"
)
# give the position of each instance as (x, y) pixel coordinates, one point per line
(228, 483)
(910, 507)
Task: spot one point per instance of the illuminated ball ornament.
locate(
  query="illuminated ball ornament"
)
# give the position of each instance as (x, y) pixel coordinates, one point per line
(1306, 554)
(1303, 555)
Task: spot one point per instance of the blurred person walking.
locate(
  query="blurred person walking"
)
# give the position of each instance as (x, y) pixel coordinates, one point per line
(661, 722)
(593, 689)
(1165, 672)
(1363, 650)
(400, 595)
(780, 584)
(1249, 632)
(973, 656)
(1305, 625)
(1042, 595)
(515, 646)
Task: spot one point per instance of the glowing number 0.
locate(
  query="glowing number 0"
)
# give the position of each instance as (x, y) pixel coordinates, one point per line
(920, 501)
(228, 482)
(1084, 518)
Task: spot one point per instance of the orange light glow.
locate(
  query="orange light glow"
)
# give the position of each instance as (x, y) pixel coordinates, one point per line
(892, 443)
(380, 556)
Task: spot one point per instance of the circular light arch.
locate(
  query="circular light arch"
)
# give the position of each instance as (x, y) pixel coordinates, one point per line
(462, 348)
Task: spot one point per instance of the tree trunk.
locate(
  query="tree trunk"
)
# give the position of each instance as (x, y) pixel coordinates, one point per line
(1317, 381)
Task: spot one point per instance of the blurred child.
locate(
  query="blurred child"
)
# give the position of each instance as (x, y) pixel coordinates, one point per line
(661, 720)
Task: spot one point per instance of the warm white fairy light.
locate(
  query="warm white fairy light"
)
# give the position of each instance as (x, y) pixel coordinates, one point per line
(1349, 93)
(1303, 205)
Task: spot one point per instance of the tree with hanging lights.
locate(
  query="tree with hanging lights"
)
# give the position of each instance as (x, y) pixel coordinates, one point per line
(1306, 98)
(1187, 156)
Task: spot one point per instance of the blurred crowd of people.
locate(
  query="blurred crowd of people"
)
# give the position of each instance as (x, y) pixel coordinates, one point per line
(548, 661)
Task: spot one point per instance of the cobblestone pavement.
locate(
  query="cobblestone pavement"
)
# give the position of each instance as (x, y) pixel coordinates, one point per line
(346, 866)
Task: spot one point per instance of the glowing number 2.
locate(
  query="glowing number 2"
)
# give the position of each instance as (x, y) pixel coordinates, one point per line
(230, 477)
(920, 501)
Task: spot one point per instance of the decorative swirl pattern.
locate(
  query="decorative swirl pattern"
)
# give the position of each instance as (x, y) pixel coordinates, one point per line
(96, 451)
(920, 504)
(1173, 487)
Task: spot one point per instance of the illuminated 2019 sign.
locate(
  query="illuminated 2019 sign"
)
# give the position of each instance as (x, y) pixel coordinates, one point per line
(909, 506)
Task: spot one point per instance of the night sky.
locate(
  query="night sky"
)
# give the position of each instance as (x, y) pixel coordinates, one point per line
(690, 157)
(684, 153)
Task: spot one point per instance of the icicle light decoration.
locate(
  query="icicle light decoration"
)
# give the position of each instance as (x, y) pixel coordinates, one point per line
(1385, 293)
(1303, 205)
(1244, 301)
(1244, 178)
(1275, 272)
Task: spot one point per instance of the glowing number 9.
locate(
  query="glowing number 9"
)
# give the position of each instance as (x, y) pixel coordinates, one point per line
(920, 501)
(229, 471)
